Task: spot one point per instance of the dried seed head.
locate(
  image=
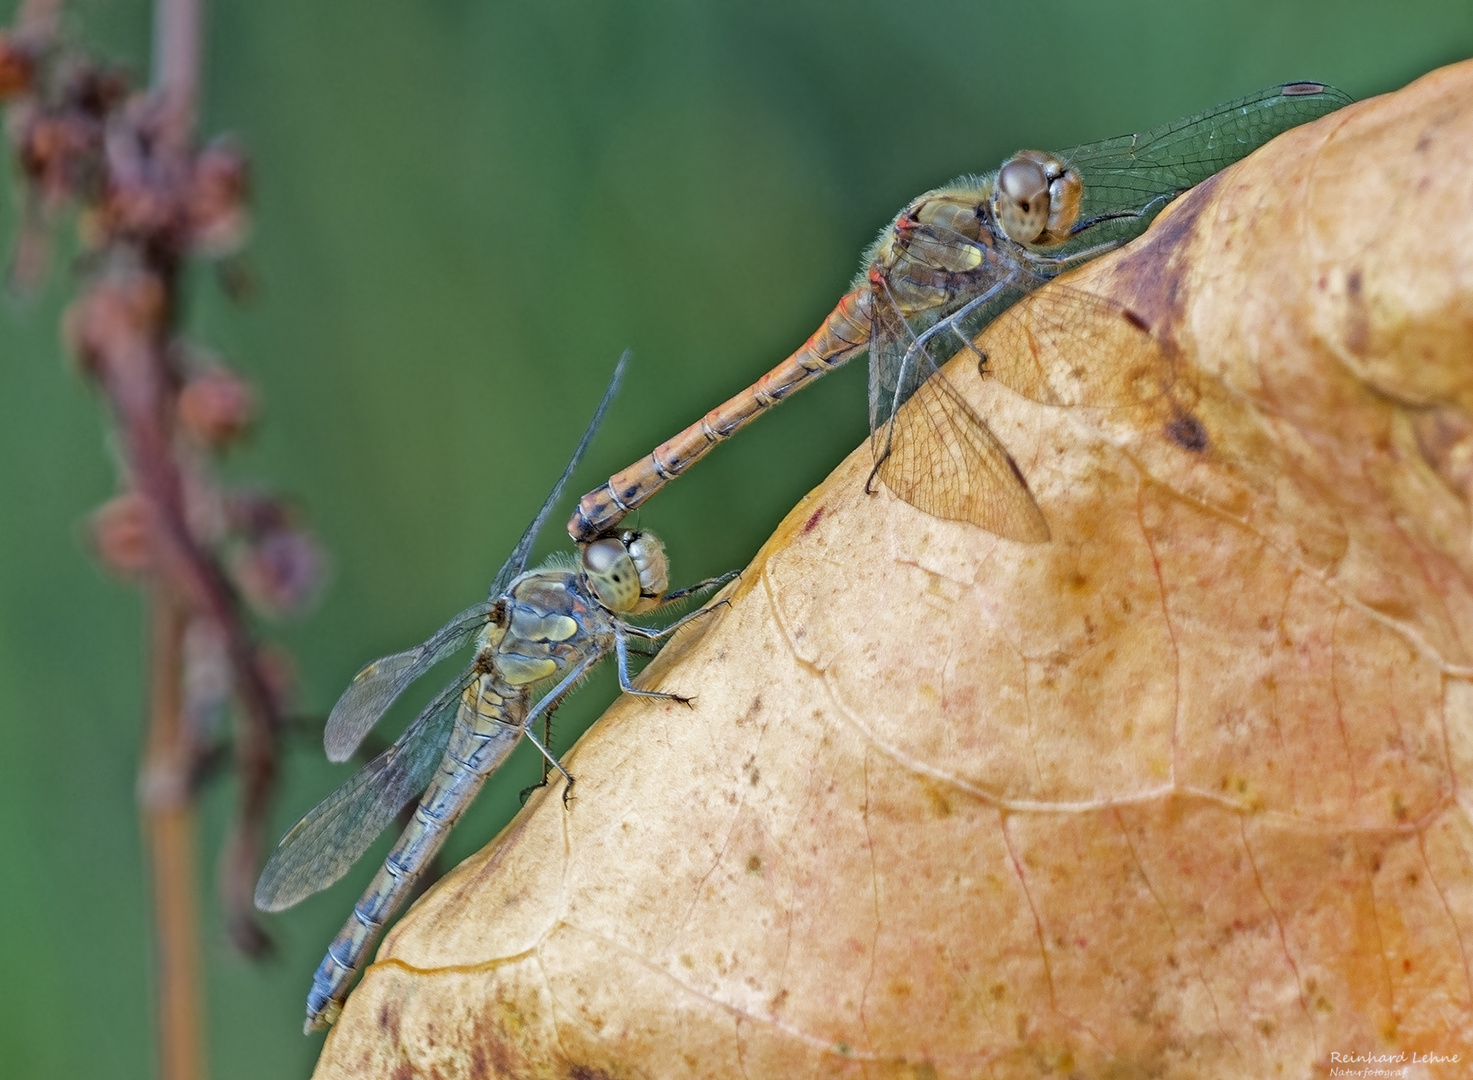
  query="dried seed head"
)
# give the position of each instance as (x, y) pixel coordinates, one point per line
(17, 66)
(275, 562)
(217, 407)
(218, 195)
(121, 531)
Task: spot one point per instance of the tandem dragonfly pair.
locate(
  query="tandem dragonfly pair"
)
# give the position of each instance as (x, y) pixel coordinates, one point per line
(949, 266)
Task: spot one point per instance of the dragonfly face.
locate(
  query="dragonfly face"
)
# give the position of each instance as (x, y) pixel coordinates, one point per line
(950, 243)
(628, 573)
(1036, 198)
(557, 619)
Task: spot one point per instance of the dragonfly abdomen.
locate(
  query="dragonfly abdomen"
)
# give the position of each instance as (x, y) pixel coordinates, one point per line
(485, 733)
(842, 335)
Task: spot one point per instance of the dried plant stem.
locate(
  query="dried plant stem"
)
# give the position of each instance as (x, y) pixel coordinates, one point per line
(169, 831)
(168, 801)
(177, 36)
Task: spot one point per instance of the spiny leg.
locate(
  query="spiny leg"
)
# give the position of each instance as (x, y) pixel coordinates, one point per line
(623, 631)
(546, 769)
(700, 586)
(556, 764)
(621, 652)
(1120, 215)
(655, 635)
(549, 703)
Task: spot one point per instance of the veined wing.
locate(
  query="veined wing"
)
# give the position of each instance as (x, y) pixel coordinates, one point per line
(379, 684)
(1138, 174)
(1126, 181)
(1064, 346)
(517, 562)
(320, 848)
(939, 456)
(1061, 346)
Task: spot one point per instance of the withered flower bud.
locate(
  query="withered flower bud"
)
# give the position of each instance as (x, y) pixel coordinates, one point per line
(275, 561)
(217, 407)
(17, 66)
(112, 314)
(218, 194)
(121, 531)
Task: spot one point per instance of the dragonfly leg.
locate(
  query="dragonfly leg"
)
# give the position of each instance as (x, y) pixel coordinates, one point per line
(870, 487)
(911, 369)
(554, 762)
(523, 795)
(953, 321)
(549, 703)
(700, 586)
(1125, 215)
(656, 635)
(621, 651)
(1063, 262)
(965, 310)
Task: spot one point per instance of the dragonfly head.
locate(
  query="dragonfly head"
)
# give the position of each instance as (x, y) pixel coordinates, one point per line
(628, 573)
(1036, 198)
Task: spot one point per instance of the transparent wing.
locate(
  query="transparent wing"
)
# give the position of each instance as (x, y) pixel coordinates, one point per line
(1138, 174)
(1062, 347)
(517, 562)
(944, 461)
(319, 849)
(379, 684)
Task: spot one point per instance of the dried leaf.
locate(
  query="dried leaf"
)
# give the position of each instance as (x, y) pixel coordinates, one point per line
(1181, 793)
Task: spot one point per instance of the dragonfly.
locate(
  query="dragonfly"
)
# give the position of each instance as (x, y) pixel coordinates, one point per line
(953, 262)
(544, 628)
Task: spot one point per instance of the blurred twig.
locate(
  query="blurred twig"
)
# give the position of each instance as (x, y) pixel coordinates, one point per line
(169, 830)
(148, 200)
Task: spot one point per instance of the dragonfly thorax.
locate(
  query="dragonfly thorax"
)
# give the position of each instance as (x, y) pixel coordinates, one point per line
(628, 573)
(1036, 198)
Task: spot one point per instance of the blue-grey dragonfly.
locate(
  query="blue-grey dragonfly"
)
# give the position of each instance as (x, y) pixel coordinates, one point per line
(544, 628)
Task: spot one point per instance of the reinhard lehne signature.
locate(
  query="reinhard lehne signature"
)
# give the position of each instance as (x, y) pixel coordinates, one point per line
(1384, 1064)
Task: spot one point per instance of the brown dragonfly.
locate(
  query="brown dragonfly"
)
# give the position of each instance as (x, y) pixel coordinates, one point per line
(954, 261)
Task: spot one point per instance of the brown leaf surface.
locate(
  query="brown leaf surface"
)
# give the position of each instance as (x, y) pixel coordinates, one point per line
(1178, 794)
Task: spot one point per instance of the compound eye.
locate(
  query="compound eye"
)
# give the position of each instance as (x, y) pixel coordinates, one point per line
(611, 574)
(601, 555)
(1021, 202)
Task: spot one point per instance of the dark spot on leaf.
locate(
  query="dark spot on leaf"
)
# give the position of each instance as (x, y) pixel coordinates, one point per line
(1354, 283)
(754, 864)
(1136, 320)
(587, 1072)
(1188, 433)
(388, 1018)
(812, 521)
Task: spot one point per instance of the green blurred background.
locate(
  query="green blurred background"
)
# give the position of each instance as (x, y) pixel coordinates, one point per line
(465, 211)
